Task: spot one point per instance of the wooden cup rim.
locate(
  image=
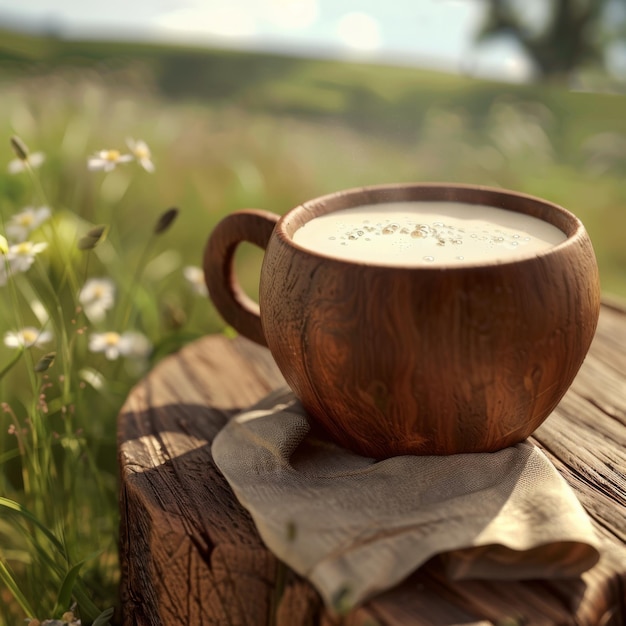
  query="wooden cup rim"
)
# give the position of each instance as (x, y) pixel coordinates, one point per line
(534, 206)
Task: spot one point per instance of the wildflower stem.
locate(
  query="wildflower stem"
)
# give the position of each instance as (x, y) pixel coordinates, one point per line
(37, 429)
(36, 466)
(21, 442)
(67, 264)
(20, 322)
(36, 183)
(67, 356)
(141, 266)
(7, 368)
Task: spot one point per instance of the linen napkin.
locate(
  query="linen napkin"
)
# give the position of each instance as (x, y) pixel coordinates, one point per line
(355, 526)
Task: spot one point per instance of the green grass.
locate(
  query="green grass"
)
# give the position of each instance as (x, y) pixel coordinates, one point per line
(227, 131)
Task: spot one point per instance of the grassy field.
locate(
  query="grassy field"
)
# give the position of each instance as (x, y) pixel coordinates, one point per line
(227, 131)
(264, 112)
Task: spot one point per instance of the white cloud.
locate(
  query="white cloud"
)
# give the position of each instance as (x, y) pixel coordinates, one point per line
(222, 21)
(243, 19)
(359, 31)
(292, 14)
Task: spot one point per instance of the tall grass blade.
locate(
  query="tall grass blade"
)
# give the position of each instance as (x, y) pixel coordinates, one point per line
(76, 587)
(12, 586)
(64, 596)
(88, 608)
(18, 508)
(103, 618)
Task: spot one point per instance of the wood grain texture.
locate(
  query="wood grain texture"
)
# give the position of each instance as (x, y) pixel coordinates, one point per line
(190, 553)
(400, 360)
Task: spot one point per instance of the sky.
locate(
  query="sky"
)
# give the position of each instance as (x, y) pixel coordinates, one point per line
(428, 33)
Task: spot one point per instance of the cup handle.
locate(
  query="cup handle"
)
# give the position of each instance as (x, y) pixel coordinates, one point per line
(235, 306)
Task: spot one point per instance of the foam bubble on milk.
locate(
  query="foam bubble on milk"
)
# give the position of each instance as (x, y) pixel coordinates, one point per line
(427, 233)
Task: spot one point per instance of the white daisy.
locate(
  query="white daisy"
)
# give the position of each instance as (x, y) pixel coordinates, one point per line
(22, 255)
(97, 296)
(27, 337)
(109, 343)
(195, 277)
(25, 222)
(33, 160)
(135, 345)
(142, 153)
(131, 343)
(107, 160)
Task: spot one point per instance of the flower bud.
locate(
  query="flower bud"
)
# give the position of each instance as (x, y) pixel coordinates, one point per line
(45, 362)
(165, 220)
(91, 239)
(97, 231)
(19, 147)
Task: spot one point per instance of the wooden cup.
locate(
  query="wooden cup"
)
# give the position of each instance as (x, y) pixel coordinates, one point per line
(395, 360)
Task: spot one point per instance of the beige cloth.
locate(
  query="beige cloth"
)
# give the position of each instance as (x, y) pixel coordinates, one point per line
(355, 526)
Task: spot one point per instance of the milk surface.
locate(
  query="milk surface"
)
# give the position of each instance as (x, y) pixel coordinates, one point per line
(427, 233)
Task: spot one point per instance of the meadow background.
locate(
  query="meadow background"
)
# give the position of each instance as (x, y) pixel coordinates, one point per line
(227, 131)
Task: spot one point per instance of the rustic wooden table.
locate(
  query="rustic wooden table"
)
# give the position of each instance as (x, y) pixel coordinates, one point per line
(190, 554)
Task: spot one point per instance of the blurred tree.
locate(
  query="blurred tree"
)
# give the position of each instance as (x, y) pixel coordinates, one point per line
(559, 36)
